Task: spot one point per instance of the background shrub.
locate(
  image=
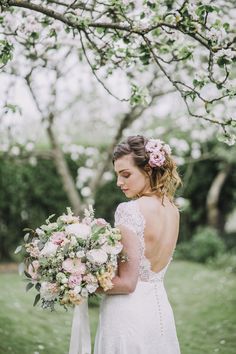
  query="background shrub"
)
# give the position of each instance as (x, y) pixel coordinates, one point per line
(205, 244)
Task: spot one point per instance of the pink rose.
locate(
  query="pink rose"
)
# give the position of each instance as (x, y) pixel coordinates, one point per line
(74, 266)
(58, 237)
(90, 278)
(153, 144)
(33, 270)
(101, 222)
(74, 280)
(32, 248)
(156, 159)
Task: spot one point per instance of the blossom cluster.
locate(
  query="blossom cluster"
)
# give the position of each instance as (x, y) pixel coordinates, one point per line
(157, 151)
(69, 259)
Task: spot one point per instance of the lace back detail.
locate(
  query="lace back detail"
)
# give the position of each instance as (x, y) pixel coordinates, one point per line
(129, 215)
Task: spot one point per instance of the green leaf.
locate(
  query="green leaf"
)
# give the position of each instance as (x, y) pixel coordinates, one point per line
(29, 286)
(65, 249)
(37, 286)
(18, 249)
(27, 274)
(34, 35)
(36, 300)
(26, 237)
(126, 40)
(226, 26)
(233, 123)
(222, 61)
(41, 245)
(100, 30)
(50, 217)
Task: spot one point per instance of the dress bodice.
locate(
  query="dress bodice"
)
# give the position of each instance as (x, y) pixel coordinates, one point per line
(129, 215)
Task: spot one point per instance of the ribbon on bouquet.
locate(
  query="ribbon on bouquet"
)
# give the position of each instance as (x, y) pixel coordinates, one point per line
(80, 340)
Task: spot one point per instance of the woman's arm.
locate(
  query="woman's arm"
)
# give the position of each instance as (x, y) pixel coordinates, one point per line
(126, 280)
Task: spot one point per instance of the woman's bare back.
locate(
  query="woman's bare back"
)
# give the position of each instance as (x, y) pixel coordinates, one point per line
(161, 231)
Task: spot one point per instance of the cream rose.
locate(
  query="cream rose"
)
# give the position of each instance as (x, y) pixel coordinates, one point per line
(79, 230)
(98, 256)
(49, 249)
(112, 249)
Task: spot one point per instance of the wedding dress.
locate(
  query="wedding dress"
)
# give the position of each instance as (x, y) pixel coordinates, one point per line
(141, 322)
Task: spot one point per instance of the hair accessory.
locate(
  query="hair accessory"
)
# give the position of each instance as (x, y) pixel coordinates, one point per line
(157, 150)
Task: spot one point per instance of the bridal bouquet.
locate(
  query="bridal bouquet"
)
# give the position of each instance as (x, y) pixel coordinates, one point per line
(67, 260)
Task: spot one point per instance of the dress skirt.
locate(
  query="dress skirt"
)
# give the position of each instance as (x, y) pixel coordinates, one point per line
(138, 323)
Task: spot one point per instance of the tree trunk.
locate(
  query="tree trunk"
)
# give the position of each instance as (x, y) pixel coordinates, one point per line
(64, 172)
(213, 212)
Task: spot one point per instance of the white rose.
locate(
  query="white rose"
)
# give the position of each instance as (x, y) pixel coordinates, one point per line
(77, 289)
(48, 291)
(91, 287)
(84, 292)
(112, 249)
(53, 226)
(102, 239)
(39, 232)
(97, 256)
(72, 254)
(64, 280)
(49, 249)
(80, 254)
(79, 230)
(73, 241)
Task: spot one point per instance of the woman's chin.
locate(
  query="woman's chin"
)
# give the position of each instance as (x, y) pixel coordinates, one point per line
(129, 194)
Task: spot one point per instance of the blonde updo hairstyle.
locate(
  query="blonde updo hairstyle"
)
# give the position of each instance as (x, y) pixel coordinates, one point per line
(164, 180)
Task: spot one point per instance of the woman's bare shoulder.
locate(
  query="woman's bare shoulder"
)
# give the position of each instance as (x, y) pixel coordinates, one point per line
(149, 204)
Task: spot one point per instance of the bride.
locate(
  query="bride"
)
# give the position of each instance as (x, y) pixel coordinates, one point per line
(135, 315)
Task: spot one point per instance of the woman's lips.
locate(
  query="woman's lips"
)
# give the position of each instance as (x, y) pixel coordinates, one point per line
(124, 190)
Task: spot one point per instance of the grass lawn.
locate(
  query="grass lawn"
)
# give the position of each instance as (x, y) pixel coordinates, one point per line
(203, 301)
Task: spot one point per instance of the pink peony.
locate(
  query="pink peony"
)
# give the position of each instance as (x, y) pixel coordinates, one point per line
(101, 222)
(58, 237)
(73, 266)
(33, 249)
(33, 269)
(74, 280)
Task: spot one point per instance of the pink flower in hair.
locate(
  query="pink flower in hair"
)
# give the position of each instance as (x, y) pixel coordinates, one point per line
(156, 159)
(157, 151)
(153, 144)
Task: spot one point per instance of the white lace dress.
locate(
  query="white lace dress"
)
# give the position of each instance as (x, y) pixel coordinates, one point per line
(141, 322)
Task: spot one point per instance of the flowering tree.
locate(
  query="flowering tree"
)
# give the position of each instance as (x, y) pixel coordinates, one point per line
(191, 43)
(46, 75)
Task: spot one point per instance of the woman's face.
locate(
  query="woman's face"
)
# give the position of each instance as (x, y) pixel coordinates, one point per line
(131, 180)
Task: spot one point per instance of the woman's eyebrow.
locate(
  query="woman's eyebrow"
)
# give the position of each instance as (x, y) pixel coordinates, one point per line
(125, 169)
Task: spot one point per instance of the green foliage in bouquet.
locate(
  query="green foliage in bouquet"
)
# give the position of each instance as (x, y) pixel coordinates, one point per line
(67, 260)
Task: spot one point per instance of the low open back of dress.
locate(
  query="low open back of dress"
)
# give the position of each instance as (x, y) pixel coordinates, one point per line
(141, 322)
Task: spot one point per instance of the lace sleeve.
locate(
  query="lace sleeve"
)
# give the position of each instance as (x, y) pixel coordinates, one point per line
(124, 216)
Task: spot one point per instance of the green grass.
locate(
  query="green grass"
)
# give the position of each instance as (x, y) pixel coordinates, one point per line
(203, 301)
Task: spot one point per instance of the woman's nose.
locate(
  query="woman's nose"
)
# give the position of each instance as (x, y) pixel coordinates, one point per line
(119, 182)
